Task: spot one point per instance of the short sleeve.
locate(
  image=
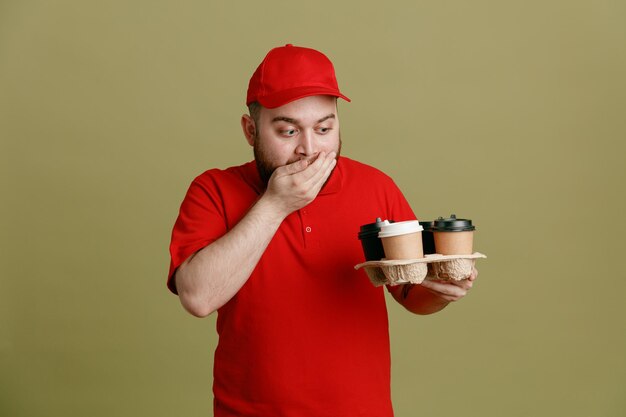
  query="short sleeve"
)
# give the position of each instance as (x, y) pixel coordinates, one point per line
(400, 208)
(200, 222)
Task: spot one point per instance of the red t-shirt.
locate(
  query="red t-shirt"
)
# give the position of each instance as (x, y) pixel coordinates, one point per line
(307, 334)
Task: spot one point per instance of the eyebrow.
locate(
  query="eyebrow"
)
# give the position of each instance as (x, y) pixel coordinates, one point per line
(295, 121)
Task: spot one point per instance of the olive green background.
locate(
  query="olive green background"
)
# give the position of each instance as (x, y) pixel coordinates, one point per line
(510, 113)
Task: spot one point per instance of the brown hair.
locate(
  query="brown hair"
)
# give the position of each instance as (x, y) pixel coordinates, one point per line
(254, 109)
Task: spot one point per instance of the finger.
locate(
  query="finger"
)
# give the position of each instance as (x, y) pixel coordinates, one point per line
(321, 180)
(466, 284)
(293, 168)
(472, 276)
(463, 283)
(318, 171)
(448, 291)
(313, 158)
(312, 167)
(325, 170)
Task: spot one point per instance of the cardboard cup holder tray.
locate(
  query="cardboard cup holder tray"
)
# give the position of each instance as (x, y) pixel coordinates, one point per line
(414, 271)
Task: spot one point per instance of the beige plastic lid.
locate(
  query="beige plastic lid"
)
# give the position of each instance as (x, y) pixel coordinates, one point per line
(400, 228)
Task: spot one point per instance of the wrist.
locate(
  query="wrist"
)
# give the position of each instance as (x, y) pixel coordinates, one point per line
(420, 300)
(270, 209)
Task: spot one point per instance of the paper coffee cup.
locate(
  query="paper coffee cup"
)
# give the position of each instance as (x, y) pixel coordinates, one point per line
(453, 236)
(402, 240)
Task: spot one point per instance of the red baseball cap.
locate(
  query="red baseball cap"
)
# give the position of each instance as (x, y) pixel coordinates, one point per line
(290, 73)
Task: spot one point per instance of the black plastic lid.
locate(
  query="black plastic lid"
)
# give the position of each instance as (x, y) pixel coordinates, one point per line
(372, 229)
(427, 225)
(452, 224)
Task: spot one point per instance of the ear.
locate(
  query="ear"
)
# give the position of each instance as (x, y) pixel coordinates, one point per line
(249, 128)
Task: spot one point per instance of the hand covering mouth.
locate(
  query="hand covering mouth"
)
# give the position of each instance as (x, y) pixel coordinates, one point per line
(309, 160)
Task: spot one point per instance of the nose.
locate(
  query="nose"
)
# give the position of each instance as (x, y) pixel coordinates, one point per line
(306, 145)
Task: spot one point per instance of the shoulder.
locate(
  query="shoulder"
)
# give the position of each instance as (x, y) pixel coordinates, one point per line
(376, 192)
(235, 176)
(218, 173)
(225, 192)
(359, 171)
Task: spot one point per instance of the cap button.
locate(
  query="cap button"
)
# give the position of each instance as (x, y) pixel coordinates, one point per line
(289, 44)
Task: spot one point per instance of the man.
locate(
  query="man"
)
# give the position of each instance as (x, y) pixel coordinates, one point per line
(271, 246)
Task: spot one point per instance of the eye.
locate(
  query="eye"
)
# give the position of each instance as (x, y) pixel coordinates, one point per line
(288, 132)
(324, 130)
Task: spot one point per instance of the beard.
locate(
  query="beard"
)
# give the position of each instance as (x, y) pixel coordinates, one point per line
(266, 166)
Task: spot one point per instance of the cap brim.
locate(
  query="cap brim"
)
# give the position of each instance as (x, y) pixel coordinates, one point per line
(286, 96)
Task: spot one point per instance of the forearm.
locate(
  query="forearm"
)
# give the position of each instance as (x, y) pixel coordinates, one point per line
(212, 276)
(432, 296)
(417, 299)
